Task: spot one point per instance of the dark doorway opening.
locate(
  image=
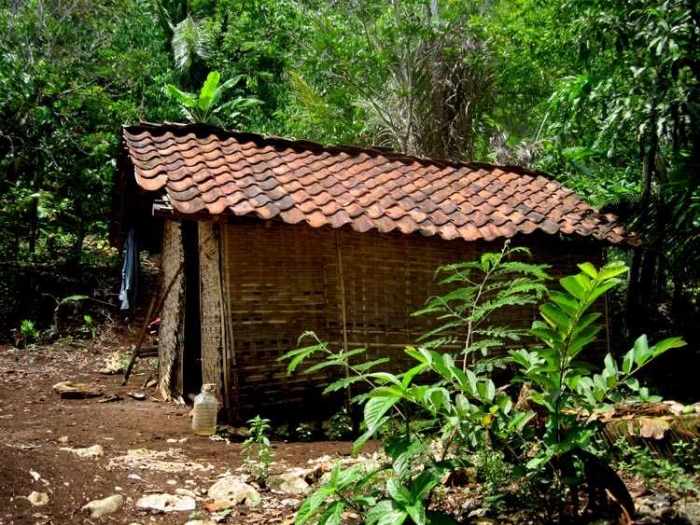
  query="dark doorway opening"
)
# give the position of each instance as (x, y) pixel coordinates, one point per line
(192, 358)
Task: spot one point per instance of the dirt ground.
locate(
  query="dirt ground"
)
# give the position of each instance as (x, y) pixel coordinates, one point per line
(36, 424)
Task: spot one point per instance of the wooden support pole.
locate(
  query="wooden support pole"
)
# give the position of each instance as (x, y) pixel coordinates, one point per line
(142, 334)
(230, 366)
(343, 314)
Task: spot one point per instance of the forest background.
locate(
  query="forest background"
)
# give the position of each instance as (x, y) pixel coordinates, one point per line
(602, 94)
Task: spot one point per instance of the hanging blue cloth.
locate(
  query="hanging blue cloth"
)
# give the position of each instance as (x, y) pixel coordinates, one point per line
(127, 293)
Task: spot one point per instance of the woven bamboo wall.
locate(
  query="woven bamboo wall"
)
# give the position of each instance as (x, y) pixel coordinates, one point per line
(282, 280)
(172, 318)
(211, 300)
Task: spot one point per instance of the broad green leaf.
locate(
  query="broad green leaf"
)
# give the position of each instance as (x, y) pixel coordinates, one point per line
(556, 317)
(589, 270)
(375, 409)
(186, 99)
(565, 301)
(613, 269)
(385, 513)
(385, 377)
(398, 492)
(574, 286)
(333, 514)
(367, 435)
(417, 513)
(600, 290)
(208, 92)
(667, 344)
(74, 299)
(640, 350)
(438, 397)
(421, 355)
(423, 484)
(312, 504)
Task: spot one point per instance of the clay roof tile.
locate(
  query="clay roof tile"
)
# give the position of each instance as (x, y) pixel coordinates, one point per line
(219, 171)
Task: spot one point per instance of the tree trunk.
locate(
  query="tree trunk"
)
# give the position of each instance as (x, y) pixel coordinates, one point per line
(643, 261)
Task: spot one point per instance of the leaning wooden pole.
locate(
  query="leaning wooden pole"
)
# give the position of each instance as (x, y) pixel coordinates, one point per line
(135, 349)
(151, 313)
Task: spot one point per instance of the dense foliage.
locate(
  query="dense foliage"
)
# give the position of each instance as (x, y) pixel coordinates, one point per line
(440, 416)
(602, 94)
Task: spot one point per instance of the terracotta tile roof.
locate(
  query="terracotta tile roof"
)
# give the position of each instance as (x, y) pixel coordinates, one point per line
(204, 169)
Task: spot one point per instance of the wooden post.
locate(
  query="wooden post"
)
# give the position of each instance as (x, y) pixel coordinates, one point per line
(343, 314)
(230, 369)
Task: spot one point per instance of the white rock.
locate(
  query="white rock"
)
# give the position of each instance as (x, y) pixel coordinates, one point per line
(92, 452)
(38, 499)
(288, 483)
(171, 460)
(185, 492)
(233, 491)
(166, 503)
(102, 507)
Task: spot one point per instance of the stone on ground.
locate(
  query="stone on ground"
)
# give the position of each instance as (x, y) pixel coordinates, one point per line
(93, 452)
(288, 483)
(102, 507)
(233, 491)
(166, 503)
(38, 499)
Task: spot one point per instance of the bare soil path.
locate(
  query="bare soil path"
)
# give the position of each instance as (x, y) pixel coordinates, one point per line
(36, 426)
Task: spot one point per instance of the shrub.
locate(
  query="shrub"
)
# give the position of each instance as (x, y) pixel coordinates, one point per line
(28, 333)
(339, 426)
(449, 411)
(257, 450)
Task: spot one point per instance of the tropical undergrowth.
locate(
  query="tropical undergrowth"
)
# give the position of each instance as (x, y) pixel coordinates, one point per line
(446, 415)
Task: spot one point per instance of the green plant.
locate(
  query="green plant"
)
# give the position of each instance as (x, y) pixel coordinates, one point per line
(339, 426)
(304, 431)
(204, 107)
(480, 288)
(495, 475)
(60, 303)
(568, 396)
(435, 426)
(90, 326)
(687, 454)
(450, 416)
(654, 470)
(28, 333)
(257, 450)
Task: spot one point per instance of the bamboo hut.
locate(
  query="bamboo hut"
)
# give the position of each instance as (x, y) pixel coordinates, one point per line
(264, 238)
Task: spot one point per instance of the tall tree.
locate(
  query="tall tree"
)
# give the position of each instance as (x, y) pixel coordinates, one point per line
(633, 107)
(416, 74)
(70, 73)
